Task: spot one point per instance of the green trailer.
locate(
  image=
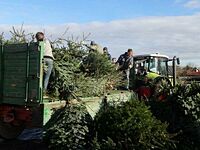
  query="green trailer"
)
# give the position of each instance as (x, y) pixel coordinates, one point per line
(22, 105)
(21, 102)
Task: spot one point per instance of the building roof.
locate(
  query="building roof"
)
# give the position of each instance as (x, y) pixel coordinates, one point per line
(193, 73)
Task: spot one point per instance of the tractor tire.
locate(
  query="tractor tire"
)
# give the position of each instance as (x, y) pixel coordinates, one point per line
(162, 86)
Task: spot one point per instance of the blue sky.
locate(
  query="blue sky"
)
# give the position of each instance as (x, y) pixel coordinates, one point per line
(82, 11)
(170, 27)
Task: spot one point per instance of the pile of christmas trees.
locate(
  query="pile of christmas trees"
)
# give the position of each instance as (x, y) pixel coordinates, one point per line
(80, 72)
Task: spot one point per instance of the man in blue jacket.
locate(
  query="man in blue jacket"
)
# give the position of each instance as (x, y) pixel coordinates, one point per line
(125, 63)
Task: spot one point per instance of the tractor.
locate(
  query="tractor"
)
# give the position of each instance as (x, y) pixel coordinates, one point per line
(150, 72)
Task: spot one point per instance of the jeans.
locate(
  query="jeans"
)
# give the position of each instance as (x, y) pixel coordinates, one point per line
(48, 62)
(127, 77)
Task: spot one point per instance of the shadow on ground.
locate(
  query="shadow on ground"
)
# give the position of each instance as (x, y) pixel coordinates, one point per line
(22, 145)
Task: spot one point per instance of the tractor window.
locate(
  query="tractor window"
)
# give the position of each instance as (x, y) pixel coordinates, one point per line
(153, 65)
(158, 65)
(162, 66)
(140, 67)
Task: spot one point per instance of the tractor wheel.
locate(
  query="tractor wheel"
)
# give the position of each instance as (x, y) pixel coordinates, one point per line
(162, 88)
(9, 131)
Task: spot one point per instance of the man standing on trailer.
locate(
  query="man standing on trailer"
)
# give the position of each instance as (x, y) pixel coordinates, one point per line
(48, 58)
(94, 47)
(125, 63)
(106, 53)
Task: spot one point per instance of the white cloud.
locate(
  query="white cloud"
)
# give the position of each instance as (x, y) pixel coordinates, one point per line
(192, 4)
(175, 35)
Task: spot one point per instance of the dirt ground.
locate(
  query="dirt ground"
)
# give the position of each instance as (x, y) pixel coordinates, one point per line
(22, 145)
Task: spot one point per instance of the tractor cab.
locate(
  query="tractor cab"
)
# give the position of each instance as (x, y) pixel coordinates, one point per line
(151, 65)
(151, 72)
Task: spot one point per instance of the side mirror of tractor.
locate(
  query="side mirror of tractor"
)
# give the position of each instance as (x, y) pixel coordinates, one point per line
(178, 61)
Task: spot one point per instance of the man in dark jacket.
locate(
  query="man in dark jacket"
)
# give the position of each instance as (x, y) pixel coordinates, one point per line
(125, 63)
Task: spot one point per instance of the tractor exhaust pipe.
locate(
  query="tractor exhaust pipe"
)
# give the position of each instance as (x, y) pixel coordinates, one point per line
(174, 70)
(175, 62)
